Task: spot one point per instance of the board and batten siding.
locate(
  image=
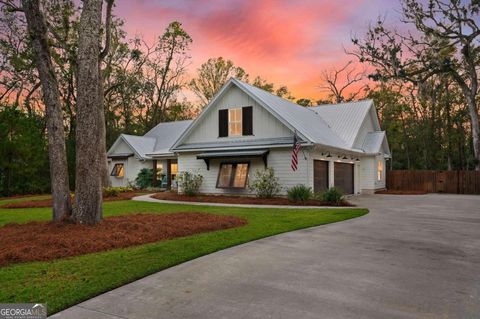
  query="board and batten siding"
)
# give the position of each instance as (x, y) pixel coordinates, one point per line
(279, 159)
(265, 125)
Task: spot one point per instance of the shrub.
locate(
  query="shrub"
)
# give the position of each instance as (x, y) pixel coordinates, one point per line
(111, 191)
(265, 184)
(144, 178)
(299, 193)
(189, 182)
(114, 191)
(332, 196)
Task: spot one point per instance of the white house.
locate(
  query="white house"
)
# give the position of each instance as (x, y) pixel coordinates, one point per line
(244, 129)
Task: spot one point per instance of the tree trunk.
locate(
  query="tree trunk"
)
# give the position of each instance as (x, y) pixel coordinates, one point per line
(88, 183)
(102, 142)
(51, 97)
(472, 110)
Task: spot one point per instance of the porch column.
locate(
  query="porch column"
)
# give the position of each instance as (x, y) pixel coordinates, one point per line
(154, 181)
(169, 174)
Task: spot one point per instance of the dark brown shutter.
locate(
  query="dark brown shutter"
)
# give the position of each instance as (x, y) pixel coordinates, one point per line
(247, 121)
(222, 123)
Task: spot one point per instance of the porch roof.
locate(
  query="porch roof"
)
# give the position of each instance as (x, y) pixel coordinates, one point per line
(263, 153)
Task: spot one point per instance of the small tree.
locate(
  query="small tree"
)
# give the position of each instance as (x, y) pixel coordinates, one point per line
(189, 182)
(265, 184)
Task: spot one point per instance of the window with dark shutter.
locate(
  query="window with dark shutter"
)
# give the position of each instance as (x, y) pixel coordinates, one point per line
(222, 123)
(247, 125)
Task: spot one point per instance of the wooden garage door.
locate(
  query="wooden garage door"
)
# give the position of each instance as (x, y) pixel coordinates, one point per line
(320, 176)
(343, 177)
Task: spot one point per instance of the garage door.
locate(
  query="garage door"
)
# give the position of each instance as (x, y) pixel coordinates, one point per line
(343, 177)
(320, 176)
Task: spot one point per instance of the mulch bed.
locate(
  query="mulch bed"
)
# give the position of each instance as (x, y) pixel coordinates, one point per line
(241, 200)
(398, 192)
(43, 203)
(41, 241)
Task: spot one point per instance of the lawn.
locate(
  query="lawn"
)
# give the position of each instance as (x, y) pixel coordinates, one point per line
(65, 282)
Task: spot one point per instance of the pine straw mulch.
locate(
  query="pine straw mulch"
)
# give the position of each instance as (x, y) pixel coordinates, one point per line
(399, 192)
(173, 196)
(42, 241)
(44, 203)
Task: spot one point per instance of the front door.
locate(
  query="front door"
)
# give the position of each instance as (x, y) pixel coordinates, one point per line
(343, 177)
(320, 176)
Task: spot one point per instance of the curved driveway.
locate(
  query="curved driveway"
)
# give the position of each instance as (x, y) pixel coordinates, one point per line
(411, 257)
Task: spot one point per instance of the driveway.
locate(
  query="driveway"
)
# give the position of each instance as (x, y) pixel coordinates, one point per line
(411, 257)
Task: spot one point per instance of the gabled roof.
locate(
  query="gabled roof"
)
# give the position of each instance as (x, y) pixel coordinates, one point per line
(314, 128)
(157, 141)
(166, 134)
(376, 142)
(345, 119)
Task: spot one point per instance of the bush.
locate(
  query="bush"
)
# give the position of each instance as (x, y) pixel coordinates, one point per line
(189, 182)
(299, 193)
(144, 178)
(265, 184)
(111, 191)
(114, 191)
(332, 196)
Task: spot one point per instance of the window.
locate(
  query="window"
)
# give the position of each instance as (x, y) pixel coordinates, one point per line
(232, 175)
(379, 170)
(235, 122)
(117, 170)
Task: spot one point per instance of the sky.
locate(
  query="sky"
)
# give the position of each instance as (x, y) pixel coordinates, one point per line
(288, 42)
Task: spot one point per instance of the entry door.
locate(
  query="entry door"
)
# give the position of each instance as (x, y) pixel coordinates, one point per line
(343, 177)
(320, 176)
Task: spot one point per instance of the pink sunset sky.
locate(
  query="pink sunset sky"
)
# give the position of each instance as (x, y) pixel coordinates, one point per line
(287, 42)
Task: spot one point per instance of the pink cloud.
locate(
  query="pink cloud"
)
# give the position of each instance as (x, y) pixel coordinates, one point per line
(285, 41)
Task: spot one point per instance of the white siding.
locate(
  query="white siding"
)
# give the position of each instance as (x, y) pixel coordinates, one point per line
(265, 125)
(368, 174)
(279, 159)
(132, 167)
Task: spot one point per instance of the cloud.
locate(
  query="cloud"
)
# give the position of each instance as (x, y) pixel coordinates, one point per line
(286, 41)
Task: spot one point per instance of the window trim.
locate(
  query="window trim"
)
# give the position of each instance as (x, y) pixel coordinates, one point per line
(232, 176)
(238, 121)
(114, 171)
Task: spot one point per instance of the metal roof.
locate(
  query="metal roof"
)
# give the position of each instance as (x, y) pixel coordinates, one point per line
(156, 142)
(374, 141)
(345, 119)
(249, 153)
(226, 144)
(300, 118)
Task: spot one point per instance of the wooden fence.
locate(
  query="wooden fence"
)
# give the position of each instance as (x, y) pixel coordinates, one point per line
(456, 182)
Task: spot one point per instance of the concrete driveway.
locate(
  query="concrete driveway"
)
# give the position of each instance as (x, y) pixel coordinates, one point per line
(411, 257)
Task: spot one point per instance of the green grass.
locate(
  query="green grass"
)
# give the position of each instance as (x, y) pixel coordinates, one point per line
(65, 282)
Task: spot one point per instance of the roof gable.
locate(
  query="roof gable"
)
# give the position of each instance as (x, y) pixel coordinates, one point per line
(345, 119)
(310, 127)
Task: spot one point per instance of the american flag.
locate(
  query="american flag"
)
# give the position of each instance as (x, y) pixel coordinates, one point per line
(295, 150)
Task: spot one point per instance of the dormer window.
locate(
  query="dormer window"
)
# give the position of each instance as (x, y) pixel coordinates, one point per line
(235, 121)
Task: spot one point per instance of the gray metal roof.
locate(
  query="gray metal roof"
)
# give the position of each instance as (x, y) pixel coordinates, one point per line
(345, 119)
(374, 141)
(229, 144)
(157, 141)
(238, 153)
(301, 118)
(166, 134)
